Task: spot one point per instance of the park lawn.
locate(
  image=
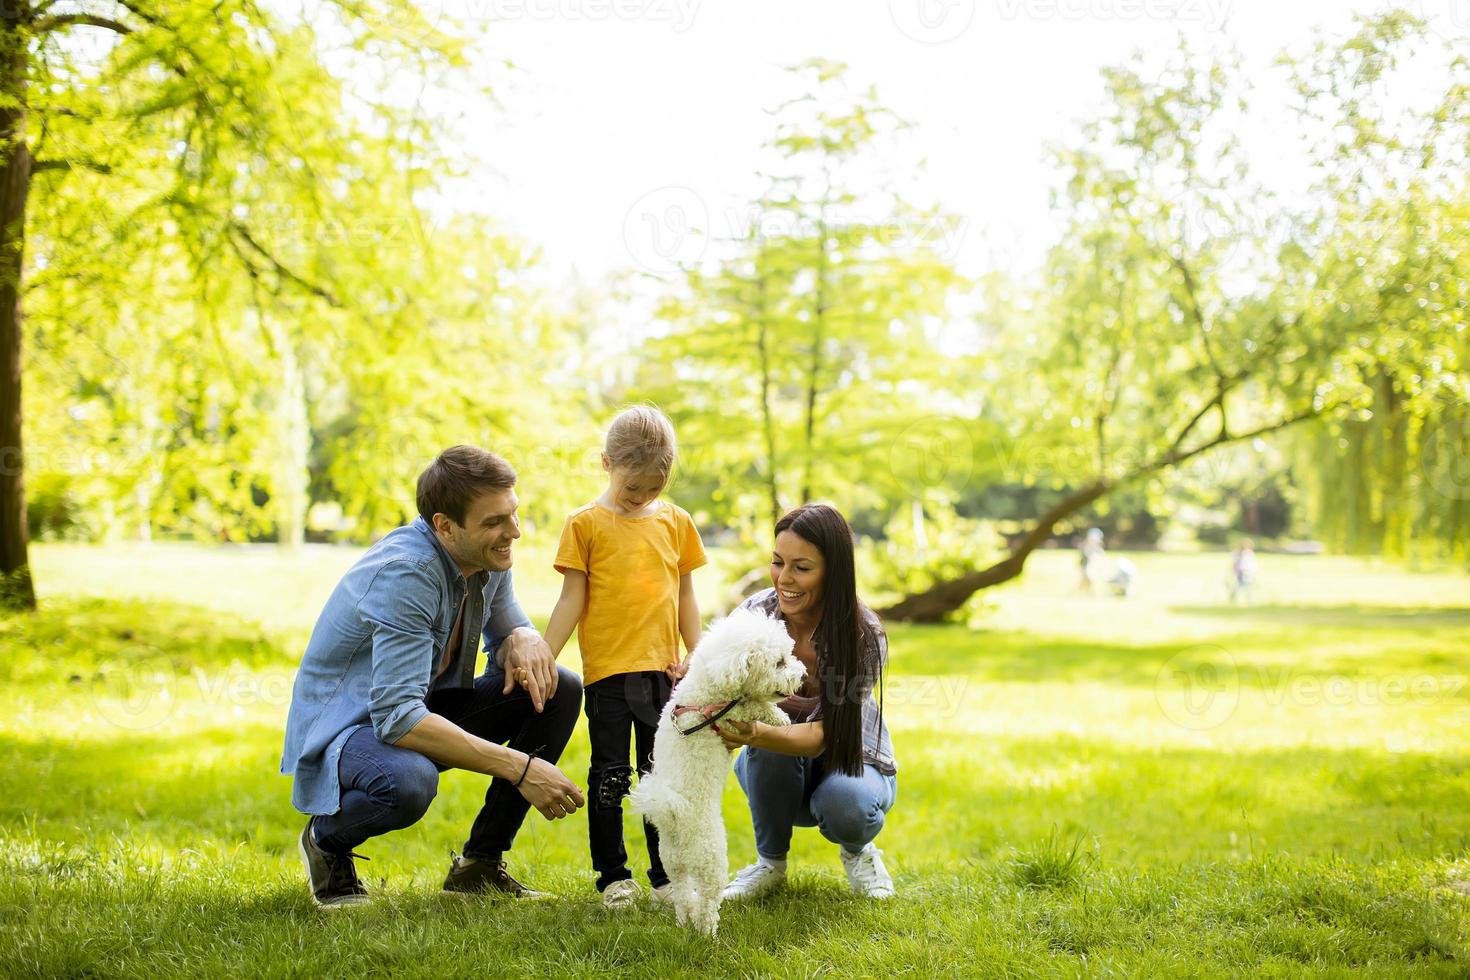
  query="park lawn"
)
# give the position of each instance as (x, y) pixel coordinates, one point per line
(1157, 785)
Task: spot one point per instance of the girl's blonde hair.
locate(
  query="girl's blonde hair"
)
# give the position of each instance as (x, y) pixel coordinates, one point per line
(641, 439)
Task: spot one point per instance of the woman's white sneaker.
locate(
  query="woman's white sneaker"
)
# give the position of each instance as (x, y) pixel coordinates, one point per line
(754, 881)
(866, 874)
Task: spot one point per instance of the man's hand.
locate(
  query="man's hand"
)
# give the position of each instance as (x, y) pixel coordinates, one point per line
(530, 663)
(549, 790)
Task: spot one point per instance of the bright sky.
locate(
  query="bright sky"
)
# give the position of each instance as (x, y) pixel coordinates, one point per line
(628, 119)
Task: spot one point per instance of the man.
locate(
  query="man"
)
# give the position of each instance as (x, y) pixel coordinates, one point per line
(387, 696)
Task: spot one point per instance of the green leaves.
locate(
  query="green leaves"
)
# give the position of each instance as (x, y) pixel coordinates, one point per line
(795, 362)
(251, 299)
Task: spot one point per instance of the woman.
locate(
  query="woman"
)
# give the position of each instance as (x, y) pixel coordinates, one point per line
(833, 767)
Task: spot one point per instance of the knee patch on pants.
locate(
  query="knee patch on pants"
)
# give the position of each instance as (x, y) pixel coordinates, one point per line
(607, 787)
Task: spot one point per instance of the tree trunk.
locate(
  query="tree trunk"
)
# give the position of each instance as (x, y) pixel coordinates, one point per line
(1398, 519)
(16, 588)
(814, 375)
(291, 476)
(767, 422)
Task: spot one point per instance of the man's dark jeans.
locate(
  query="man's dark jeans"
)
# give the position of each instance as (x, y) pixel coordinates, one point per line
(385, 787)
(617, 705)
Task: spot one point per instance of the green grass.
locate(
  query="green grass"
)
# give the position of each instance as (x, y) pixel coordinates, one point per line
(1158, 786)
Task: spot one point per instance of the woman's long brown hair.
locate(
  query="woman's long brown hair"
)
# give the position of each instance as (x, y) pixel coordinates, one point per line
(848, 670)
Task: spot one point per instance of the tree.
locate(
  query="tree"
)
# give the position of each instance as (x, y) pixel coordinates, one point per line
(208, 130)
(816, 320)
(1149, 350)
(1393, 475)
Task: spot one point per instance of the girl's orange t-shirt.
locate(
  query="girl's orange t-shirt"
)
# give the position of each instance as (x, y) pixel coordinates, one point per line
(631, 618)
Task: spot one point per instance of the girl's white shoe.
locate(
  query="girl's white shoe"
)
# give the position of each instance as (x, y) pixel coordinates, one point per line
(620, 894)
(866, 874)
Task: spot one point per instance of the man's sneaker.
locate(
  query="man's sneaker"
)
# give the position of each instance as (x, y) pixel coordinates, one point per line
(865, 873)
(662, 894)
(332, 877)
(620, 894)
(754, 881)
(469, 877)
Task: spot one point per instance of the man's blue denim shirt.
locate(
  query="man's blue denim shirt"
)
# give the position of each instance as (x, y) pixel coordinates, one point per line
(372, 654)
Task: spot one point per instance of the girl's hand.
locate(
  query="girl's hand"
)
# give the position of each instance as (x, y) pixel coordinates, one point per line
(530, 663)
(677, 671)
(736, 733)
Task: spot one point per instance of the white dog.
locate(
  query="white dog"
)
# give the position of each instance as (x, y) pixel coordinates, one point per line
(740, 669)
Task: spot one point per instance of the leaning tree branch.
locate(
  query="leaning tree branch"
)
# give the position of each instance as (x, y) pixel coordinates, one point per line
(279, 267)
(1217, 398)
(1223, 386)
(1196, 312)
(943, 598)
(1101, 414)
(176, 66)
(142, 14)
(39, 166)
(56, 22)
(1176, 455)
(1225, 383)
(237, 232)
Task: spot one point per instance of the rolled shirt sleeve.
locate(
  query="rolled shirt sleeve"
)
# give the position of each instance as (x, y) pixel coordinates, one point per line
(399, 607)
(503, 616)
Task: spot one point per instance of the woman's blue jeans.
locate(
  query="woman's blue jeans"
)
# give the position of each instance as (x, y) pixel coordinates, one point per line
(787, 791)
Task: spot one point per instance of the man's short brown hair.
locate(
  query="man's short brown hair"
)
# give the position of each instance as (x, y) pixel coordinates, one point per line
(457, 476)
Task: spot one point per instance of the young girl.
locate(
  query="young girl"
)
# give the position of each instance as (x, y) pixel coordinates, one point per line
(626, 560)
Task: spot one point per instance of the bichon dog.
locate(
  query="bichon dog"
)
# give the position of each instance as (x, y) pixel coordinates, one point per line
(741, 668)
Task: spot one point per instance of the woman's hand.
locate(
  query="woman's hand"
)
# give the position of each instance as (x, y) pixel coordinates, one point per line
(737, 733)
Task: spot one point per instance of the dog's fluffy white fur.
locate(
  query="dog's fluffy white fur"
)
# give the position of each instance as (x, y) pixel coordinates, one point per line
(745, 655)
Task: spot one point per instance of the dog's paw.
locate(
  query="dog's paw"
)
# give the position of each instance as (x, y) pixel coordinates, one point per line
(707, 923)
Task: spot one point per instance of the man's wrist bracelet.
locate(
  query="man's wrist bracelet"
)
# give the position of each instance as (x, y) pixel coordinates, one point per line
(530, 757)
